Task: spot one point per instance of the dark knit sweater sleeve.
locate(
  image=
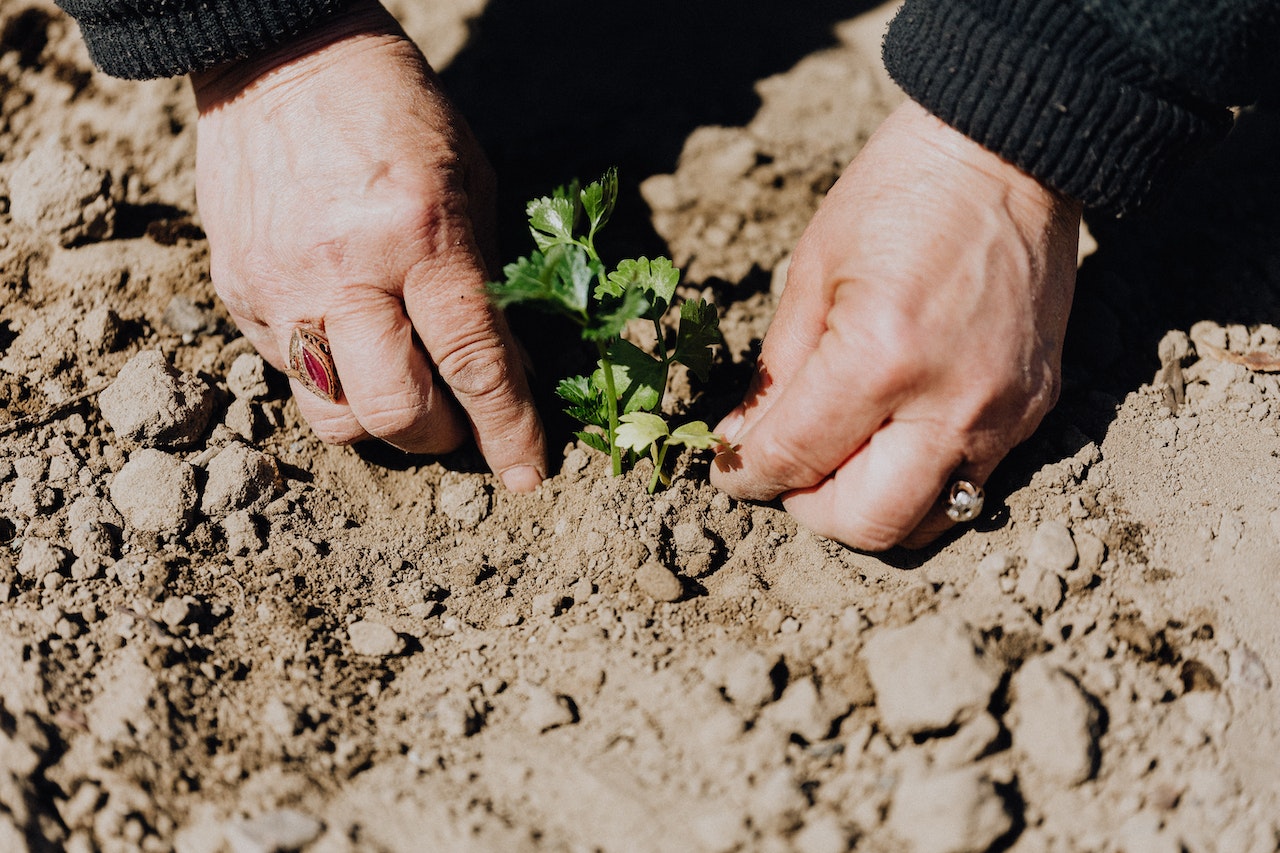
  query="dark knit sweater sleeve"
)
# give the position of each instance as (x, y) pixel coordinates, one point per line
(1101, 99)
(141, 39)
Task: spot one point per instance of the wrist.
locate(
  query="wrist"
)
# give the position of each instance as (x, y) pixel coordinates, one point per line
(359, 22)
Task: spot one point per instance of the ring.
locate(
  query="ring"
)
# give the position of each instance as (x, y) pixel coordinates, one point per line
(311, 362)
(964, 501)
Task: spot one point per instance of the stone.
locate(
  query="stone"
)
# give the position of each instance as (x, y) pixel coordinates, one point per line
(799, 710)
(748, 680)
(40, 557)
(273, 832)
(155, 491)
(929, 675)
(695, 550)
(954, 811)
(31, 498)
(92, 523)
(1053, 723)
(55, 192)
(240, 478)
(1052, 549)
(373, 639)
(152, 404)
(658, 582)
(465, 500)
(1040, 589)
(243, 536)
(456, 717)
(101, 330)
(247, 378)
(546, 710)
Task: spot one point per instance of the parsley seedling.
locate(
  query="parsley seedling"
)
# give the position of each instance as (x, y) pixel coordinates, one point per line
(623, 396)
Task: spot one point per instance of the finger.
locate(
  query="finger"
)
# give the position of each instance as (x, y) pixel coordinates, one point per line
(386, 378)
(478, 359)
(823, 413)
(793, 334)
(883, 492)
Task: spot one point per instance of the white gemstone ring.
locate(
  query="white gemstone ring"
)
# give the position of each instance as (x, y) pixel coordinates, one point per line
(964, 501)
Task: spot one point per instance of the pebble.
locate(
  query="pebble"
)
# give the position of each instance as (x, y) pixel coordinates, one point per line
(465, 500)
(929, 675)
(40, 558)
(799, 710)
(53, 191)
(374, 639)
(273, 832)
(153, 404)
(658, 582)
(90, 524)
(747, 680)
(240, 478)
(247, 378)
(1039, 589)
(955, 811)
(155, 491)
(456, 717)
(546, 710)
(243, 536)
(1053, 723)
(1052, 549)
(31, 498)
(695, 550)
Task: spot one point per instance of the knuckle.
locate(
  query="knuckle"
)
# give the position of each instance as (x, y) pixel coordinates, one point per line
(340, 429)
(477, 370)
(784, 465)
(387, 419)
(868, 533)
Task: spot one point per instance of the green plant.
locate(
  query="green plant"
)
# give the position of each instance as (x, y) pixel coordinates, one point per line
(623, 397)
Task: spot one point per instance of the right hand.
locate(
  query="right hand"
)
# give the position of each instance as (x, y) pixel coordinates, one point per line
(339, 188)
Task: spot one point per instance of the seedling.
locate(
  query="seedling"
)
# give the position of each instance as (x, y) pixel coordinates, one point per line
(623, 397)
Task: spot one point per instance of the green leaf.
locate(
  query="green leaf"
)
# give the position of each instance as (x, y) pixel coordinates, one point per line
(559, 279)
(552, 218)
(594, 440)
(657, 278)
(599, 199)
(610, 320)
(699, 331)
(638, 430)
(696, 435)
(585, 400)
(638, 377)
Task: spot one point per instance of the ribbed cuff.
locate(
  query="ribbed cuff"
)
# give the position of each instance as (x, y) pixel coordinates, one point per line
(1052, 92)
(143, 39)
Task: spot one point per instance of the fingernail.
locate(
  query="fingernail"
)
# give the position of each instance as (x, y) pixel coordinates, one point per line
(731, 425)
(521, 478)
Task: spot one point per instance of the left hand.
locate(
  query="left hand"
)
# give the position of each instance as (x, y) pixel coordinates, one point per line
(919, 338)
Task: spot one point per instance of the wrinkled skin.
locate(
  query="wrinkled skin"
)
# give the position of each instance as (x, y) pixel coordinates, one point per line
(339, 188)
(918, 338)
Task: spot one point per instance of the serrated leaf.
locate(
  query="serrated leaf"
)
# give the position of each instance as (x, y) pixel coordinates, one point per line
(573, 273)
(638, 430)
(699, 331)
(599, 199)
(638, 377)
(552, 218)
(584, 399)
(695, 435)
(594, 440)
(610, 320)
(559, 279)
(657, 278)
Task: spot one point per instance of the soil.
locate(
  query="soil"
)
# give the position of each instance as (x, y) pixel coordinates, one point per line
(217, 633)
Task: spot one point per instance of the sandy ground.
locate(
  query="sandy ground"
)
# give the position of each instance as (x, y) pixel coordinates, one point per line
(218, 634)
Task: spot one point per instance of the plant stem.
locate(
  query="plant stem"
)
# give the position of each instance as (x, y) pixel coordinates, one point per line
(611, 406)
(659, 455)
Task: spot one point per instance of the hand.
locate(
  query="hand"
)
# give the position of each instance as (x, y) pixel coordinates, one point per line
(918, 339)
(339, 188)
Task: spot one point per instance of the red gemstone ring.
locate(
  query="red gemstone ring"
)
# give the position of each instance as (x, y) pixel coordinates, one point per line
(311, 362)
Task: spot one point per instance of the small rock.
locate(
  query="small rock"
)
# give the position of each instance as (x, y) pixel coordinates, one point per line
(1053, 723)
(800, 711)
(175, 611)
(152, 404)
(240, 478)
(581, 592)
(243, 536)
(374, 639)
(31, 498)
(748, 679)
(247, 377)
(1051, 548)
(101, 330)
(956, 811)
(274, 832)
(548, 604)
(969, 743)
(546, 710)
(658, 582)
(154, 491)
(465, 500)
(55, 192)
(187, 318)
(695, 550)
(91, 527)
(929, 675)
(40, 558)
(1040, 589)
(242, 419)
(456, 717)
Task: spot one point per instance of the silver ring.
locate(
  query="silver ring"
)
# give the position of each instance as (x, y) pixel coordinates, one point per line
(964, 501)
